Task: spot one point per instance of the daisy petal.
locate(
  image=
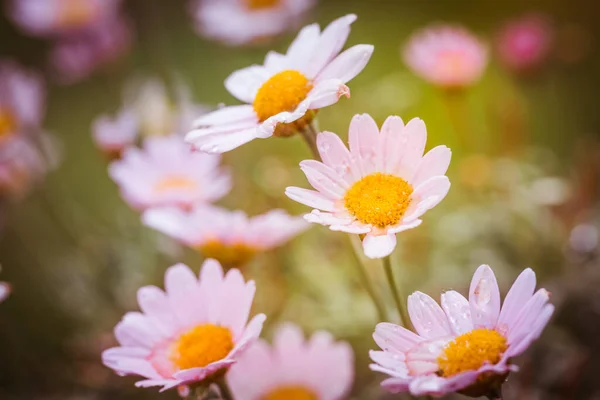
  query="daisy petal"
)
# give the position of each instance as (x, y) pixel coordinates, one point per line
(327, 93)
(379, 246)
(310, 198)
(244, 83)
(484, 297)
(348, 64)
(458, 311)
(427, 316)
(434, 163)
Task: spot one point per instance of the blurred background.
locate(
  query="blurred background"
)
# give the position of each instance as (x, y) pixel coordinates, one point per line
(525, 188)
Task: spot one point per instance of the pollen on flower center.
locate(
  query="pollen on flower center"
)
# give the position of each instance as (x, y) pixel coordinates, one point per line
(7, 123)
(471, 351)
(175, 182)
(76, 12)
(379, 199)
(201, 346)
(260, 4)
(234, 254)
(282, 92)
(290, 393)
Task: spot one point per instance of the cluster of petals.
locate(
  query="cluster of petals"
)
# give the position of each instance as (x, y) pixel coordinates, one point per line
(239, 22)
(146, 338)
(318, 368)
(87, 33)
(412, 360)
(166, 172)
(313, 55)
(524, 43)
(446, 56)
(395, 150)
(113, 135)
(206, 226)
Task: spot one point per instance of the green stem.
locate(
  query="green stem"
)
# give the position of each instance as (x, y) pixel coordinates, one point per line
(398, 297)
(224, 389)
(365, 279)
(309, 134)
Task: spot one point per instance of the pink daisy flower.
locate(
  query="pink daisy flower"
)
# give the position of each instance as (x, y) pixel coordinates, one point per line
(113, 135)
(446, 56)
(22, 100)
(294, 368)
(238, 22)
(283, 95)
(4, 291)
(380, 187)
(465, 345)
(46, 18)
(524, 43)
(227, 236)
(196, 328)
(166, 172)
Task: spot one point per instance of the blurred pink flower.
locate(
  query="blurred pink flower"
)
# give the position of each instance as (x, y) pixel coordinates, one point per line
(447, 56)
(381, 187)
(197, 328)
(284, 94)
(113, 135)
(465, 345)
(4, 291)
(227, 236)
(77, 57)
(524, 43)
(52, 18)
(294, 368)
(238, 22)
(166, 172)
(22, 101)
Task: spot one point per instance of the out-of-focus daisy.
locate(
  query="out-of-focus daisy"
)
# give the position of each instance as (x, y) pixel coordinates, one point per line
(294, 368)
(61, 17)
(4, 291)
(465, 345)
(381, 187)
(238, 22)
(227, 236)
(76, 57)
(284, 94)
(446, 56)
(22, 100)
(192, 331)
(166, 172)
(114, 135)
(524, 43)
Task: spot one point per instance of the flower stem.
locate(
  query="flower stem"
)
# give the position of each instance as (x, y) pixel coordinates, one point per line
(365, 279)
(309, 134)
(224, 389)
(495, 394)
(398, 297)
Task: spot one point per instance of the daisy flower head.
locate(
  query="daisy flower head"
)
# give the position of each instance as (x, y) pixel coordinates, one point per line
(446, 56)
(51, 18)
(230, 237)
(112, 135)
(166, 172)
(284, 93)
(238, 22)
(379, 187)
(465, 345)
(525, 43)
(22, 100)
(294, 368)
(4, 291)
(189, 332)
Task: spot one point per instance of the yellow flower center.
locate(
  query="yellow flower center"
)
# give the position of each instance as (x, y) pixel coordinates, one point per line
(7, 123)
(379, 199)
(76, 13)
(260, 4)
(227, 254)
(201, 346)
(291, 393)
(470, 351)
(282, 92)
(175, 182)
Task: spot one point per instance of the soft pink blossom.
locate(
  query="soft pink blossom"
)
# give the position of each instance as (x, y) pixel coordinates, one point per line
(413, 360)
(447, 56)
(281, 95)
(235, 22)
(5, 290)
(394, 153)
(319, 366)
(524, 43)
(112, 135)
(149, 339)
(167, 172)
(229, 235)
